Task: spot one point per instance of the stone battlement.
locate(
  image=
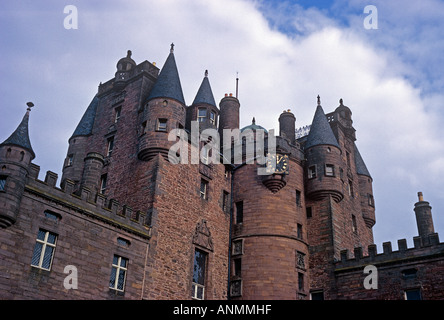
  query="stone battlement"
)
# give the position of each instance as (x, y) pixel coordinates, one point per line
(426, 246)
(97, 206)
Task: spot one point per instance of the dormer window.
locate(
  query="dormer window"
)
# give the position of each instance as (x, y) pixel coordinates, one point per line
(201, 115)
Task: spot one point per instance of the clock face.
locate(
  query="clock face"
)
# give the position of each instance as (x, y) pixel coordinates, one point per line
(277, 163)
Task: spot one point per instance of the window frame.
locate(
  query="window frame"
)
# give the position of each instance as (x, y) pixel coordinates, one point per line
(110, 146)
(195, 285)
(204, 193)
(3, 183)
(201, 118)
(329, 166)
(158, 125)
(118, 268)
(44, 244)
(312, 172)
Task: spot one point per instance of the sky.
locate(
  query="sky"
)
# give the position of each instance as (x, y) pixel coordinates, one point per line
(386, 64)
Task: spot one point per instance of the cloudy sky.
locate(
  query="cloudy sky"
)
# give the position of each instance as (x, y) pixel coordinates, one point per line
(285, 52)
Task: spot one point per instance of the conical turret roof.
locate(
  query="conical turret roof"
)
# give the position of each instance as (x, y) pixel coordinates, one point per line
(20, 137)
(84, 128)
(361, 168)
(320, 131)
(205, 94)
(168, 83)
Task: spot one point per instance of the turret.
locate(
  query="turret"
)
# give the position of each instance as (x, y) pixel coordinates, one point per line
(16, 155)
(287, 126)
(424, 220)
(365, 190)
(203, 109)
(92, 169)
(124, 68)
(164, 110)
(323, 162)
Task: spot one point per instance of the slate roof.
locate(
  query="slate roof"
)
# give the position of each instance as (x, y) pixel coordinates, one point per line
(20, 137)
(253, 126)
(84, 128)
(320, 132)
(361, 168)
(205, 94)
(168, 83)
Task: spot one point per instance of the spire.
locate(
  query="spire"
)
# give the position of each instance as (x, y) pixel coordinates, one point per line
(205, 94)
(84, 128)
(320, 132)
(361, 168)
(168, 83)
(20, 137)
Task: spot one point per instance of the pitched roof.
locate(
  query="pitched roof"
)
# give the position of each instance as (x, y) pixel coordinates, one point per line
(320, 131)
(20, 137)
(84, 128)
(168, 83)
(205, 94)
(361, 168)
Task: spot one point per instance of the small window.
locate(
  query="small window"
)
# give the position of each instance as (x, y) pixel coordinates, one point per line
(110, 147)
(412, 294)
(350, 188)
(354, 225)
(311, 172)
(143, 128)
(123, 242)
(118, 273)
(117, 112)
(298, 198)
(371, 201)
(309, 212)
(239, 212)
(317, 295)
(201, 115)
(199, 270)
(329, 170)
(409, 273)
(205, 154)
(204, 189)
(238, 247)
(103, 182)
(300, 281)
(52, 216)
(299, 231)
(300, 260)
(225, 201)
(3, 183)
(161, 125)
(213, 118)
(347, 156)
(44, 250)
(237, 267)
(69, 160)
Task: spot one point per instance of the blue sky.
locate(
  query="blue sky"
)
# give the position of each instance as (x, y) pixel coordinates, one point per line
(286, 53)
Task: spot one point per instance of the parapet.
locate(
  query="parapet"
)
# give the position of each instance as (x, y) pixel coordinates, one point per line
(423, 248)
(98, 207)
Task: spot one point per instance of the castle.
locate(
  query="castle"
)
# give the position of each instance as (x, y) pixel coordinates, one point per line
(126, 222)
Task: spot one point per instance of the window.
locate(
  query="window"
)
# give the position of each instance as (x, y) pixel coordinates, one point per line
(213, 118)
(299, 231)
(3, 183)
(311, 172)
(201, 115)
(347, 156)
(123, 242)
(309, 212)
(237, 263)
(300, 260)
(354, 225)
(44, 250)
(110, 147)
(239, 212)
(238, 247)
(371, 201)
(409, 273)
(412, 294)
(69, 160)
(329, 170)
(300, 281)
(204, 189)
(52, 216)
(205, 154)
(317, 295)
(117, 112)
(199, 269)
(350, 188)
(225, 199)
(161, 125)
(103, 180)
(143, 128)
(118, 273)
(298, 198)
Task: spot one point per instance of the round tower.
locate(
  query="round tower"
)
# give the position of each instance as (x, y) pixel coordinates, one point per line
(164, 110)
(365, 190)
(92, 171)
(287, 126)
(16, 155)
(229, 113)
(424, 220)
(323, 160)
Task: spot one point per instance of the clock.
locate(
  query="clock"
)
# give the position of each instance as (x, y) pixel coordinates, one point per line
(277, 163)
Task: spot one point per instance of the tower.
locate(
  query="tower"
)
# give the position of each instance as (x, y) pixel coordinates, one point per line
(424, 220)
(287, 125)
(16, 155)
(163, 111)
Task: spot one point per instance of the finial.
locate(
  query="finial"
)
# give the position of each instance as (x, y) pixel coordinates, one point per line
(340, 102)
(420, 197)
(206, 73)
(30, 105)
(128, 54)
(319, 100)
(253, 121)
(172, 48)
